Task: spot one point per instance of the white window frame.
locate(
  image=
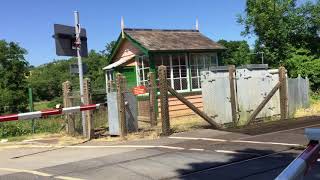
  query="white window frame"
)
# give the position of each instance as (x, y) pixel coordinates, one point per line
(198, 68)
(142, 68)
(109, 77)
(171, 71)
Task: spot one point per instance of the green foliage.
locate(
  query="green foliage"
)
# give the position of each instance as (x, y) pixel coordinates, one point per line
(20, 128)
(290, 34)
(46, 79)
(281, 25)
(303, 63)
(96, 62)
(237, 52)
(13, 86)
(108, 48)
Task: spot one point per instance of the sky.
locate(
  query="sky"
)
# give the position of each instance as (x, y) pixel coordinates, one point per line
(30, 23)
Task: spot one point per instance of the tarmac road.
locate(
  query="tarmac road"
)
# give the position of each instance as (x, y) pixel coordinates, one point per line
(200, 154)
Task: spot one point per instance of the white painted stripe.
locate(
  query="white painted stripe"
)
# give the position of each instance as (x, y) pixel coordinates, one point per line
(171, 147)
(92, 147)
(71, 109)
(29, 115)
(235, 152)
(38, 173)
(237, 141)
(195, 138)
(67, 178)
(227, 151)
(262, 142)
(196, 149)
(25, 171)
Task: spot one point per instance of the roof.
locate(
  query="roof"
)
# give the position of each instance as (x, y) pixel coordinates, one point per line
(119, 62)
(171, 40)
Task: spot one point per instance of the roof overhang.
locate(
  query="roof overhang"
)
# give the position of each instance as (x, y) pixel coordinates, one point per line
(119, 62)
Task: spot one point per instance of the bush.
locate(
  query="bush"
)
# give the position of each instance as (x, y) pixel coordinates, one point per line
(21, 128)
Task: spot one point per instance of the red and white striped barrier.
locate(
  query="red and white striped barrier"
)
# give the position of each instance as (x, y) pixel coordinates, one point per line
(45, 113)
(299, 167)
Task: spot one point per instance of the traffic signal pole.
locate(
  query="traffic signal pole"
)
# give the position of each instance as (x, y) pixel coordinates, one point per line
(78, 47)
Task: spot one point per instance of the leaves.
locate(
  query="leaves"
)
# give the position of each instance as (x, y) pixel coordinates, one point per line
(290, 34)
(13, 85)
(237, 52)
(46, 80)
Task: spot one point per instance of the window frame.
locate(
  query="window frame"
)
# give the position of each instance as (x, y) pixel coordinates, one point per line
(199, 68)
(144, 81)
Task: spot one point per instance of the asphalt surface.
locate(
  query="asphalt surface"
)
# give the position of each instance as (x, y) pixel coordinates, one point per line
(200, 154)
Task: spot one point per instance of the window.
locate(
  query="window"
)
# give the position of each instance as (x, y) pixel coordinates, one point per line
(182, 74)
(177, 70)
(109, 80)
(143, 68)
(198, 63)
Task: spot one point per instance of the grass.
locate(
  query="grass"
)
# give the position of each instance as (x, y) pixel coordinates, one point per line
(145, 131)
(313, 110)
(188, 123)
(23, 128)
(43, 138)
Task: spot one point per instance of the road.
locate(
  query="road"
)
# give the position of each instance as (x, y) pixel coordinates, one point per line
(199, 154)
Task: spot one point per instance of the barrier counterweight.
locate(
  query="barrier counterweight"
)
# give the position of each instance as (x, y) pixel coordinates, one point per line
(45, 113)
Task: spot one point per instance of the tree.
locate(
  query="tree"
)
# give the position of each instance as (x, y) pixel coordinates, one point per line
(13, 84)
(46, 79)
(303, 63)
(108, 48)
(281, 25)
(96, 62)
(237, 52)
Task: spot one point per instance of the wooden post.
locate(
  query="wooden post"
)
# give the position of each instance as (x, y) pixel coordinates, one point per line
(67, 102)
(88, 100)
(283, 93)
(152, 98)
(233, 102)
(263, 103)
(164, 102)
(121, 105)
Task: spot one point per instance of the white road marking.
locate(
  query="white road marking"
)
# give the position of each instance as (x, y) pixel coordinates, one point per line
(227, 151)
(25, 171)
(196, 149)
(261, 142)
(66, 178)
(236, 141)
(90, 147)
(193, 138)
(38, 173)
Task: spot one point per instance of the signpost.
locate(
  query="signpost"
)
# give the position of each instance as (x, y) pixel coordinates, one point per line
(72, 41)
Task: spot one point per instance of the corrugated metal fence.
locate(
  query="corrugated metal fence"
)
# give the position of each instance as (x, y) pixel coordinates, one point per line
(298, 94)
(253, 83)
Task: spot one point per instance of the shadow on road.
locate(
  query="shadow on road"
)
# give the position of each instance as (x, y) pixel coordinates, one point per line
(280, 125)
(246, 164)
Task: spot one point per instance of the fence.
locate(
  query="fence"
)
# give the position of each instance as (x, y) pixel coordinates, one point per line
(236, 96)
(240, 96)
(298, 94)
(96, 119)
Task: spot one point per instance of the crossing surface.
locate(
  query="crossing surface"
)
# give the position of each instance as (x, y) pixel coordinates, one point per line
(200, 154)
